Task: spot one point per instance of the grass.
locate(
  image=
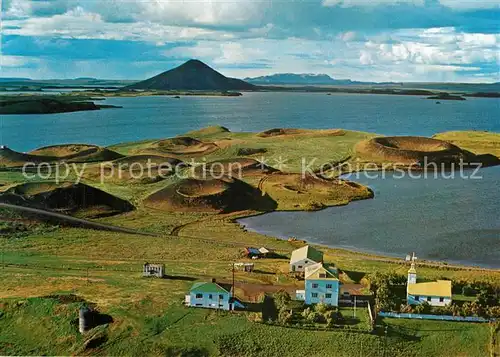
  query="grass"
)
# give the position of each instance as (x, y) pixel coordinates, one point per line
(478, 142)
(443, 338)
(45, 327)
(288, 150)
(105, 268)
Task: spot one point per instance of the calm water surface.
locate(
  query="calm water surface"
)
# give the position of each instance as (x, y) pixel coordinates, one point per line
(160, 117)
(454, 220)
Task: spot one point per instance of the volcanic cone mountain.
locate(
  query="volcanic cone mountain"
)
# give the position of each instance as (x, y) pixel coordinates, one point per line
(192, 75)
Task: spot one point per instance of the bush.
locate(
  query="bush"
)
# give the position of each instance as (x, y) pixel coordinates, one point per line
(312, 316)
(406, 309)
(423, 308)
(333, 318)
(494, 311)
(282, 299)
(322, 308)
(285, 317)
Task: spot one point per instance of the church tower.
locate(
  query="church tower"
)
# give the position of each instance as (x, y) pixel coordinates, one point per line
(412, 272)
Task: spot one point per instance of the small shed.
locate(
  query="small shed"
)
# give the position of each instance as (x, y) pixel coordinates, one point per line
(153, 270)
(247, 267)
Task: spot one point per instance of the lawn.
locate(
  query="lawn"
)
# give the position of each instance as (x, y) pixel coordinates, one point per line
(143, 327)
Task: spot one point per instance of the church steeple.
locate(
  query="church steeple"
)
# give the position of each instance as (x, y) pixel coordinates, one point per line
(412, 272)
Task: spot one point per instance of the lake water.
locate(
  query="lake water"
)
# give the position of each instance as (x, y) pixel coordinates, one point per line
(453, 220)
(160, 117)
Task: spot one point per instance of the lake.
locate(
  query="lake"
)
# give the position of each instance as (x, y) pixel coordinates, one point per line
(161, 117)
(453, 220)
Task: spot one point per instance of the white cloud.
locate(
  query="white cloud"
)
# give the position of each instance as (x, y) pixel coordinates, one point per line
(18, 8)
(81, 24)
(208, 12)
(172, 12)
(440, 46)
(470, 4)
(371, 3)
(15, 61)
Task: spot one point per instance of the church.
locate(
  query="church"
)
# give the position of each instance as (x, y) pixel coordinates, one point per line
(436, 293)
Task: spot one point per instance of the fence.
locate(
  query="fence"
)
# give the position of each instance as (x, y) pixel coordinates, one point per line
(434, 317)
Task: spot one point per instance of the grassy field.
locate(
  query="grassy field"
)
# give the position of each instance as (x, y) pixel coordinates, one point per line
(105, 269)
(478, 142)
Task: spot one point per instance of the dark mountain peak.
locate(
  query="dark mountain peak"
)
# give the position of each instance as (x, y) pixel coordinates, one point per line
(192, 75)
(195, 63)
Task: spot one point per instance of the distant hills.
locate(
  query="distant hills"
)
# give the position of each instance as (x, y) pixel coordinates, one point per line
(192, 75)
(13, 79)
(300, 79)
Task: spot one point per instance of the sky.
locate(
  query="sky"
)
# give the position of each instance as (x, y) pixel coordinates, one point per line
(366, 40)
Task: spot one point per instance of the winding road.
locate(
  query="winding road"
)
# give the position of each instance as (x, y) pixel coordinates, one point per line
(76, 221)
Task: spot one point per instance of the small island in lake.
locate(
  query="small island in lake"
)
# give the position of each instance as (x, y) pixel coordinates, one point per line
(48, 104)
(447, 96)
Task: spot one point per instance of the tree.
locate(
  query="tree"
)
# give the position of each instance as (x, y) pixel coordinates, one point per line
(312, 316)
(333, 317)
(285, 317)
(322, 308)
(384, 300)
(282, 299)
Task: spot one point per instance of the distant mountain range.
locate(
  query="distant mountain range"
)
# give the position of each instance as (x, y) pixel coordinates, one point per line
(300, 79)
(192, 75)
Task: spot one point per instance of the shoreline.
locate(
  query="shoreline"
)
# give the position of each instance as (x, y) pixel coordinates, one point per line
(368, 254)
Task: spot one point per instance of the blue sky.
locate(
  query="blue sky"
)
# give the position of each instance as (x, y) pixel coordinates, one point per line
(376, 40)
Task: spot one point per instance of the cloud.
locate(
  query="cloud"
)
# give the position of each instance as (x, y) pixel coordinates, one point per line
(470, 4)
(173, 12)
(371, 3)
(439, 46)
(15, 61)
(384, 40)
(81, 24)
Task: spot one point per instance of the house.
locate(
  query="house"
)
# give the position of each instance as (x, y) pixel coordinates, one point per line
(304, 257)
(436, 293)
(264, 251)
(354, 294)
(321, 285)
(156, 270)
(252, 252)
(210, 295)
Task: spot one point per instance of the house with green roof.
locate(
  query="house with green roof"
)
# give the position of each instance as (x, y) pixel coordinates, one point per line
(304, 257)
(210, 295)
